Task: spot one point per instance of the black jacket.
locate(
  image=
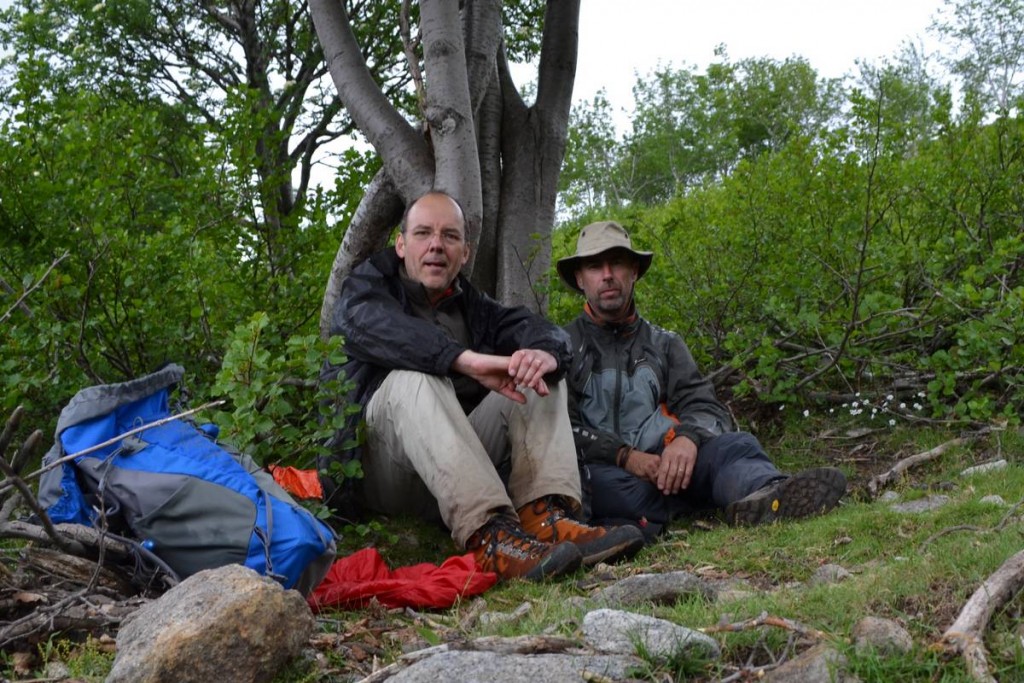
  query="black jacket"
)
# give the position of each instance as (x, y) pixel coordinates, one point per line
(382, 334)
(637, 384)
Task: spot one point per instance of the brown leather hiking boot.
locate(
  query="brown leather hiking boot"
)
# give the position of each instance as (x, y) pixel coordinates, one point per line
(549, 519)
(806, 493)
(501, 546)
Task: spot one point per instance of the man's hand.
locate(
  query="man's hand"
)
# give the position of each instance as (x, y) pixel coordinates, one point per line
(505, 374)
(676, 467)
(671, 471)
(528, 367)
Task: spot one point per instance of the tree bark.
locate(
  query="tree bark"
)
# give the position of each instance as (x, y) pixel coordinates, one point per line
(533, 147)
(487, 148)
(378, 212)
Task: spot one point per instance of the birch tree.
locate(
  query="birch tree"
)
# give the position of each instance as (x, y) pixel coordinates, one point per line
(476, 138)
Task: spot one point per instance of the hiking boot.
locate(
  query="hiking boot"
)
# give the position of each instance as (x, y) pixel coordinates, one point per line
(501, 546)
(806, 493)
(549, 520)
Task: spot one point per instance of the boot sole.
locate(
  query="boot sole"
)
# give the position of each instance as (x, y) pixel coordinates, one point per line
(623, 548)
(804, 494)
(564, 558)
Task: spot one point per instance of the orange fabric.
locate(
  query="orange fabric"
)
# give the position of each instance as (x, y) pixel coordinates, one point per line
(299, 483)
(353, 581)
(670, 435)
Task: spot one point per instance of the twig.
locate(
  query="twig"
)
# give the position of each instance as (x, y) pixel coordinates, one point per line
(35, 286)
(119, 437)
(765, 619)
(881, 480)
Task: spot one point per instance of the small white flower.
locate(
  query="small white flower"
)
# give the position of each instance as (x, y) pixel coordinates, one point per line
(892, 422)
(903, 406)
(889, 397)
(782, 406)
(807, 413)
(98, 7)
(831, 410)
(918, 406)
(920, 394)
(855, 404)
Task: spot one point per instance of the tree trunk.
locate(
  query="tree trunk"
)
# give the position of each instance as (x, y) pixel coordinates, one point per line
(499, 157)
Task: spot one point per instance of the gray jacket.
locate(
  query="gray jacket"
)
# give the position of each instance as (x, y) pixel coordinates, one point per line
(637, 384)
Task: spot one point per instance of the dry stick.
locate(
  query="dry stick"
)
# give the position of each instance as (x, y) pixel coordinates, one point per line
(12, 424)
(966, 634)
(30, 500)
(903, 465)
(765, 619)
(31, 289)
(131, 432)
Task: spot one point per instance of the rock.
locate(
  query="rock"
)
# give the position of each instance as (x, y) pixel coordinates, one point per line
(994, 500)
(993, 466)
(923, 505)
(659, 589)
(819, 664)
(884, 636)
(227, 624)
(488, 667)
(889, 497)
(829, 573)
(615, 631)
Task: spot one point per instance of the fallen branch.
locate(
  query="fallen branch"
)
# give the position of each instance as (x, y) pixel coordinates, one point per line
(966, 635)
(902, 466)
(765, 619)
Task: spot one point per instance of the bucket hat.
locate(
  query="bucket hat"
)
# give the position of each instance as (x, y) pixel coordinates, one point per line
(595, 239)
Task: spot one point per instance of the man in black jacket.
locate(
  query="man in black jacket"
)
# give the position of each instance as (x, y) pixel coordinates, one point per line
(464, 405)
(655, 440)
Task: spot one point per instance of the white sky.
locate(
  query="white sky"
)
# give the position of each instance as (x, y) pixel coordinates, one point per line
(621, 39)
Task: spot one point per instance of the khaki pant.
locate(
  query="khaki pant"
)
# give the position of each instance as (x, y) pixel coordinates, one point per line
(426, 457)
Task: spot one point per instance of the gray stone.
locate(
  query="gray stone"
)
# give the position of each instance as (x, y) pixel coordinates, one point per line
(994, 499)
(923, 505)
(884, 636)
(491, 667)
(829, 573)
(609, 630)
(889, 497)
(993, 466)
(659, 589)
(227, 624)
(820, 664)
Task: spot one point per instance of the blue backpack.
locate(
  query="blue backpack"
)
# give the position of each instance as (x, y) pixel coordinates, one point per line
(191, 502)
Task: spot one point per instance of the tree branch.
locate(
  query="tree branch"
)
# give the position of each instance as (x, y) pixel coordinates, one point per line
(902, 466)
(378, 212)
(966, 635)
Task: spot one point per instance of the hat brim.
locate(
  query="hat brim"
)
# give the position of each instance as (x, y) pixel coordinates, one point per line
(568, 266)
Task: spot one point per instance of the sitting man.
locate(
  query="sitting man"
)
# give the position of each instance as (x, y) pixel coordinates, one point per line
(654, 438)
(460, 395)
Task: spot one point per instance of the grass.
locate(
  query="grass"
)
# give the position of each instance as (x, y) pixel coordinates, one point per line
(915, 568)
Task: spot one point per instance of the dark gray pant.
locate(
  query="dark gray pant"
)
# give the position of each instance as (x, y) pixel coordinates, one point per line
(728, 468)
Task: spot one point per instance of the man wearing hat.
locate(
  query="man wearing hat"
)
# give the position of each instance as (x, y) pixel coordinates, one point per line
(654, 438)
